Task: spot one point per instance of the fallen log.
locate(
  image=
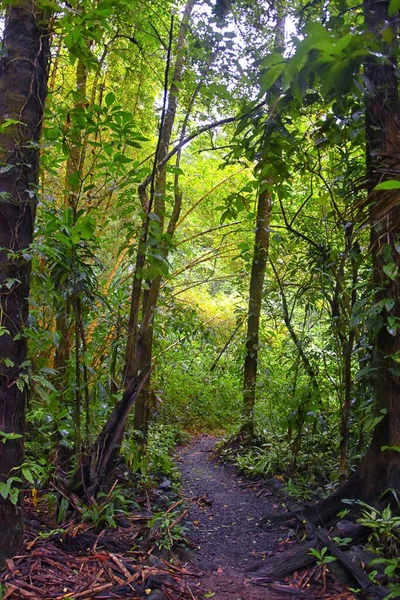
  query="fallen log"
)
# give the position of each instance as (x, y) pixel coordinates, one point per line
(355, 569)
(285, 563)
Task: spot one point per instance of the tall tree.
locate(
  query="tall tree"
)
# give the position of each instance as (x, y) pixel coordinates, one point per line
(140, 344)
(23, 81)
(259, 263)
(381, 469)
(99, 468)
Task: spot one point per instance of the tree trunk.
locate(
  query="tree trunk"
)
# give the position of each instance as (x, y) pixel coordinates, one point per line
(143, 351)
(23, 81)
(380, 470)
(258, 266)
(259, 263)
(97, 471)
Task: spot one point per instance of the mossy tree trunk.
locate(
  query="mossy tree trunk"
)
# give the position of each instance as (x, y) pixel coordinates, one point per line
(381, 469)
(23, 81)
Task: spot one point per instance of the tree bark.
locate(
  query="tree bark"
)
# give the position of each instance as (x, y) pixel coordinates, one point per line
(141, 358)
(97, 471)
(313, 390)
(380, 470)
(259, 263)
(258, 266)
(23, 87)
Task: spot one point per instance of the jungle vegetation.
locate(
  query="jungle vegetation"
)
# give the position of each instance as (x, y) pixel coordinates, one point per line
(199, 230)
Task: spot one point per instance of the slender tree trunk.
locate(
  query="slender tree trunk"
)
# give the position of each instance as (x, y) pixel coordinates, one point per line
(97, 472)
(259, 263)
(345, 408)
(260, 256)
(141, 352)
(348, 347)
(313, 391)
(23, 81)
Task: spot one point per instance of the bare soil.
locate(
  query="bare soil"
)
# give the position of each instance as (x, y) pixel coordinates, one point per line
(224, 523)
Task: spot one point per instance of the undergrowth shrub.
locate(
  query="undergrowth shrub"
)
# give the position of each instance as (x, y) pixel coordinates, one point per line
(153, 460)
(196, 400)
(312, 473)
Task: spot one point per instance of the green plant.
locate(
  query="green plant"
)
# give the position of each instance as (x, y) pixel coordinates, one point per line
(32, 471)
(106, 509)
(37, 471)
(391, 565)
(321, 555)
(385, 529)
(153, 459)
(9, 436)
(167, 529)
(339, 541)
(9, 490)
(45, 535)
(394, 591)
(62, 509)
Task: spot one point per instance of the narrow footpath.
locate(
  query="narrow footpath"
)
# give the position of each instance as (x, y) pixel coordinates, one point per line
(224, 524)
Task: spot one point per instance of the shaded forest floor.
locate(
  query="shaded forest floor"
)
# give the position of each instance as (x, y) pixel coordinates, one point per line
(224, 523)
(222, 515)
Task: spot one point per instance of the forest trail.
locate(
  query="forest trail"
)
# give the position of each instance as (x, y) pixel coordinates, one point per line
(224, 523)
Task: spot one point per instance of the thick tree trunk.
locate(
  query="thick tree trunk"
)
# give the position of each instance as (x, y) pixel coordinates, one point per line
(381, 469)
(23, 81)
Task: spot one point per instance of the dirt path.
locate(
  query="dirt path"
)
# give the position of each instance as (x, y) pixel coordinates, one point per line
(224, 522)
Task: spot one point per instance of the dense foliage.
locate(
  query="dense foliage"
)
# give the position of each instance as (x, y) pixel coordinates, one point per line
(165, 125)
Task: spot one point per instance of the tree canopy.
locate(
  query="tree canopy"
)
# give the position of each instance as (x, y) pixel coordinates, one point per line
(201, 200)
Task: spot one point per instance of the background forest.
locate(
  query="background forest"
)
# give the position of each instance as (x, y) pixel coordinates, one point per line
(205, 203)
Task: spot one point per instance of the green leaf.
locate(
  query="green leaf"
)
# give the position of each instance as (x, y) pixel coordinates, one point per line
(110, 98)
(394, 448)
(270, 76)
(48, 371)
(52, 134)
(5, 169)
(388, 35)
(391, 270)
(14, 495)
(4, 490)
(9, 436)
(28, 475)
(390, 184)
(329, 559)
(8, 122)
(74, 179)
